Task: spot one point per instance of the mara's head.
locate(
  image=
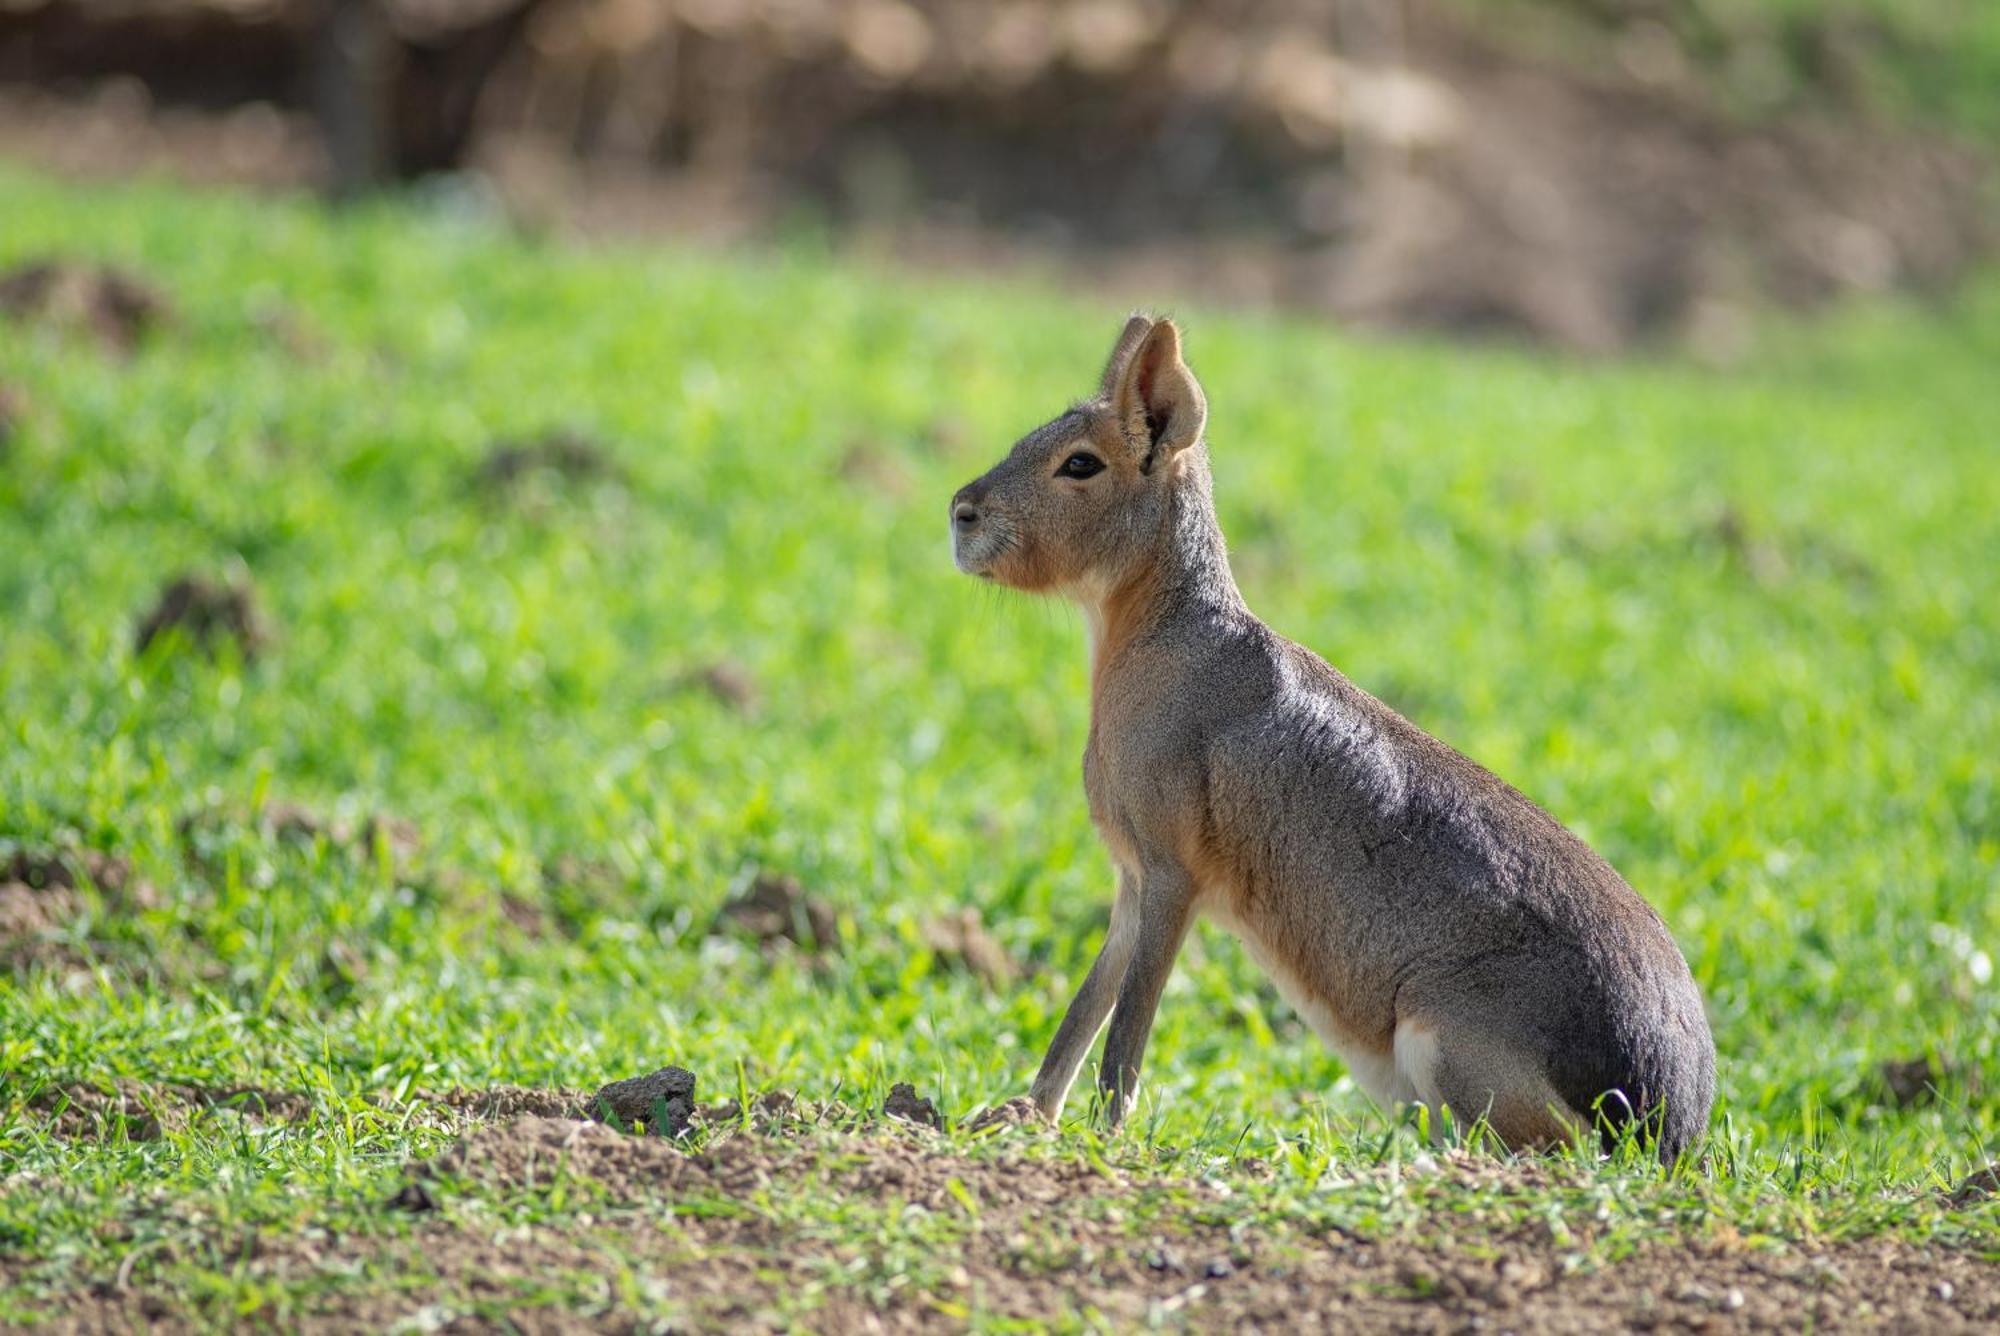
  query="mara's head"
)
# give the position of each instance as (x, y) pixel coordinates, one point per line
(1082, 502)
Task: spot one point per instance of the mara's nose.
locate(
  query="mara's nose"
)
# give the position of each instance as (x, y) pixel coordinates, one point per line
(964, 510)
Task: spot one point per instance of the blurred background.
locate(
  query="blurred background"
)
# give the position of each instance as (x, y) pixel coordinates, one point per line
(1591, 174)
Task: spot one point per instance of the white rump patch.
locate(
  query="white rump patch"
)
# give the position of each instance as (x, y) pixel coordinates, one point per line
(1415, 1053)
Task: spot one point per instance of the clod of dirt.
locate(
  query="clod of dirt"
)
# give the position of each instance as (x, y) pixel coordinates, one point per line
(1978, 1186)
(904, 1103)
(414, 1198)
(777, 909)
(566, 455)
(525, 915)
(726, 680)
(342, 968)
(663, 1101)
(1761, 557)
(1019, 1111)
(959, 940)
(779, 1112)
(1909, 1082)
(113, 306)
(767, 1110)
(206, 612)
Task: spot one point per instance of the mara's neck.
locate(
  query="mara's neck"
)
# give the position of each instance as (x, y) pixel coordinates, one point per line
(1188, 579)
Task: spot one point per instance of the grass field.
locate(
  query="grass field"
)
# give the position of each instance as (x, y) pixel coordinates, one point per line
(1737, 627)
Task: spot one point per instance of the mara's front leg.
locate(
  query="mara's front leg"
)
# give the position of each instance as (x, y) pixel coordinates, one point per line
(1091, 1004)
(1166, 907)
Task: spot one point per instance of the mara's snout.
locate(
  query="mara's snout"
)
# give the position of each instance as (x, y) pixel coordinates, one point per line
(972, 539)
(1455, 944)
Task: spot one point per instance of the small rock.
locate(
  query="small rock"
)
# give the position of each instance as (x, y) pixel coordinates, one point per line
(663, 1101)
(1218, 1269)
(904, 1103)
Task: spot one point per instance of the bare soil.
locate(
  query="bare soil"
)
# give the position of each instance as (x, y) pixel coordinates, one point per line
(1047, 1239)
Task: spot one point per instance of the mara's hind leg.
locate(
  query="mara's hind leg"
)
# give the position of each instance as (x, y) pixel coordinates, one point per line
(1459, 1068)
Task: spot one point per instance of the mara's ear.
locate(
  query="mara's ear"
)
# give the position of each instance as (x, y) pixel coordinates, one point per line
(1159, 405)
(1135, 329)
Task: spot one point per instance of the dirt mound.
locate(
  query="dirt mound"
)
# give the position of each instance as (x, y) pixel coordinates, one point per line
(1978, 1186)
(959, 941)
(13, 412)
(117, 308)
(41, 893)
(89, 1111)
(563, 456)
(207, 612)
(727, 680)
(147, 1110)
(776, 909)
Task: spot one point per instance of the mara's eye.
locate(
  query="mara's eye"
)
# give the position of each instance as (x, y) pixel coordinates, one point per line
(1082, 464)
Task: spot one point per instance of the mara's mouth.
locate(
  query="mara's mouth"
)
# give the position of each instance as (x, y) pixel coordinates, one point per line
(976, 553)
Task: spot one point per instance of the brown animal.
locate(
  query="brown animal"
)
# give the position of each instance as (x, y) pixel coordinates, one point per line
(1455, 944)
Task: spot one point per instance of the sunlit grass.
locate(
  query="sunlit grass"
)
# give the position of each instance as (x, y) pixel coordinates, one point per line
(1735, 627)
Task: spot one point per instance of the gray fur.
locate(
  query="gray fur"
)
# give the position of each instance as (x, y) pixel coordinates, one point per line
(1453, 940)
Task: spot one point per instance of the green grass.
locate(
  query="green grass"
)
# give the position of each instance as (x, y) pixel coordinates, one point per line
(1738, 629)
